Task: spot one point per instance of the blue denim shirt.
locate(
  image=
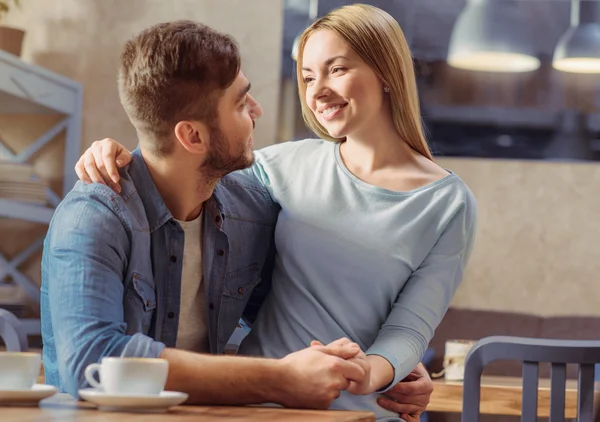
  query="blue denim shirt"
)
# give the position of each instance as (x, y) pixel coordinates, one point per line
(112, 263)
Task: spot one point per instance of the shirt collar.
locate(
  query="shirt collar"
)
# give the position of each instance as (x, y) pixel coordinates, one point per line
(157, 212)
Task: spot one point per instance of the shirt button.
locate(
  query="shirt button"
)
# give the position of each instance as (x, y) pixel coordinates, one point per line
(220, 252)
(218, 219)
(171, 315)
(211, 306)
(173, 258)
(240, 290)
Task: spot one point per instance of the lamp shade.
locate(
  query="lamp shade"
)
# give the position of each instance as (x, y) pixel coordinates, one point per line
(578, 50)
(493, 36)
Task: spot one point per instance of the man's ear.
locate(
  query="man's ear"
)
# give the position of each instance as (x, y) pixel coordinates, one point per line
(193, 136)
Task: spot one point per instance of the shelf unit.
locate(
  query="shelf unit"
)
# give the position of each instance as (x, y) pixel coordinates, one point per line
(30, 89)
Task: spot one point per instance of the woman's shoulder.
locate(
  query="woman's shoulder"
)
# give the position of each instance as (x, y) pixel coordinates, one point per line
(448, 183)
(444, 191)
(452, 187)
(456, 199)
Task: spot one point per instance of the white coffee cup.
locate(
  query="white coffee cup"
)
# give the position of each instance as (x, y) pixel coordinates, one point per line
(19, 370)
(454, 359)
(129, 376)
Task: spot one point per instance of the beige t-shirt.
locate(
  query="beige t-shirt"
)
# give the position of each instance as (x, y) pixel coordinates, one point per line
(192, 332)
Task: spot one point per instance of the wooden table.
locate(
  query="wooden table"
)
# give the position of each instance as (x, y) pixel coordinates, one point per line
(502, 396)
(62, 407)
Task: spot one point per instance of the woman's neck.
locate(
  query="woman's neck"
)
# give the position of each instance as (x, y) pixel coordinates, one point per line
(377, 147)
(380, 157)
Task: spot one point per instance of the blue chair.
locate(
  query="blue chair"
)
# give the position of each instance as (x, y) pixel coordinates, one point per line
(532, 351)
(12, 332)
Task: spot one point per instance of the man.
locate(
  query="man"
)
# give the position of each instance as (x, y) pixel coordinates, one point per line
(168, 266)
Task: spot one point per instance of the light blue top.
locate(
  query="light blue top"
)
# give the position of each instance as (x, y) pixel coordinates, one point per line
(358, 261)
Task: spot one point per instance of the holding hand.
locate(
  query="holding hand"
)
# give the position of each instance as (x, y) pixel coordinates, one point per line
(409, 398)
(363, 387)
(314, 377)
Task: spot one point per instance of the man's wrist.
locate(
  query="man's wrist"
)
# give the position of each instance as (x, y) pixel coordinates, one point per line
(275, 381)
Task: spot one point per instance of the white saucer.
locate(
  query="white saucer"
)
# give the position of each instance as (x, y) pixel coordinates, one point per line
(108, 402)
(22, 397)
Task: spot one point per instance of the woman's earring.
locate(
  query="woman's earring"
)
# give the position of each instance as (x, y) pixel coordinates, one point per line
(386, 89)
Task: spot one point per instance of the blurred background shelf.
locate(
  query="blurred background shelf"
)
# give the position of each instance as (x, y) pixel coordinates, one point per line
(28, 89)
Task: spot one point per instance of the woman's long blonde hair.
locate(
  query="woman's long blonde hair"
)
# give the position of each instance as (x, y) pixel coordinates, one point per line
(377, 38)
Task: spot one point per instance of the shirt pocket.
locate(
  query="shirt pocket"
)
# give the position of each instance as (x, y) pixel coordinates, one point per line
(237, 289)
(140, 304)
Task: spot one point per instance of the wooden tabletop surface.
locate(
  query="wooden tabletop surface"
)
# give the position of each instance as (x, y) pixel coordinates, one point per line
(62, 407)
(502, 396)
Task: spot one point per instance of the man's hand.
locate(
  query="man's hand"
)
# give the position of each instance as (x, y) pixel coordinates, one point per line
(101, 161)
(409, 397)
(359, 388)
(314, 377)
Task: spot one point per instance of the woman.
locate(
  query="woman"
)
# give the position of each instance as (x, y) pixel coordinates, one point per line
(373, 236)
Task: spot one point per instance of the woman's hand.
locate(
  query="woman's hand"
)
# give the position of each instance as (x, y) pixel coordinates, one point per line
(410, 397)
(100, 163)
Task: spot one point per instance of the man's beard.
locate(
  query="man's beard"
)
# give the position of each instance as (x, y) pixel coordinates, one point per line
(219, 161)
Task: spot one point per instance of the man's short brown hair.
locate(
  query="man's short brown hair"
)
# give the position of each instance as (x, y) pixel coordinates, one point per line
(175, 71)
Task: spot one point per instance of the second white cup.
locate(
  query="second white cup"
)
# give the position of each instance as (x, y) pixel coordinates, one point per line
(19, 370)
(129, 376)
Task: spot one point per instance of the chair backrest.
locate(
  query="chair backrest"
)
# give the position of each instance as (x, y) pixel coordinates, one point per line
(532, 351)
(12, 332)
